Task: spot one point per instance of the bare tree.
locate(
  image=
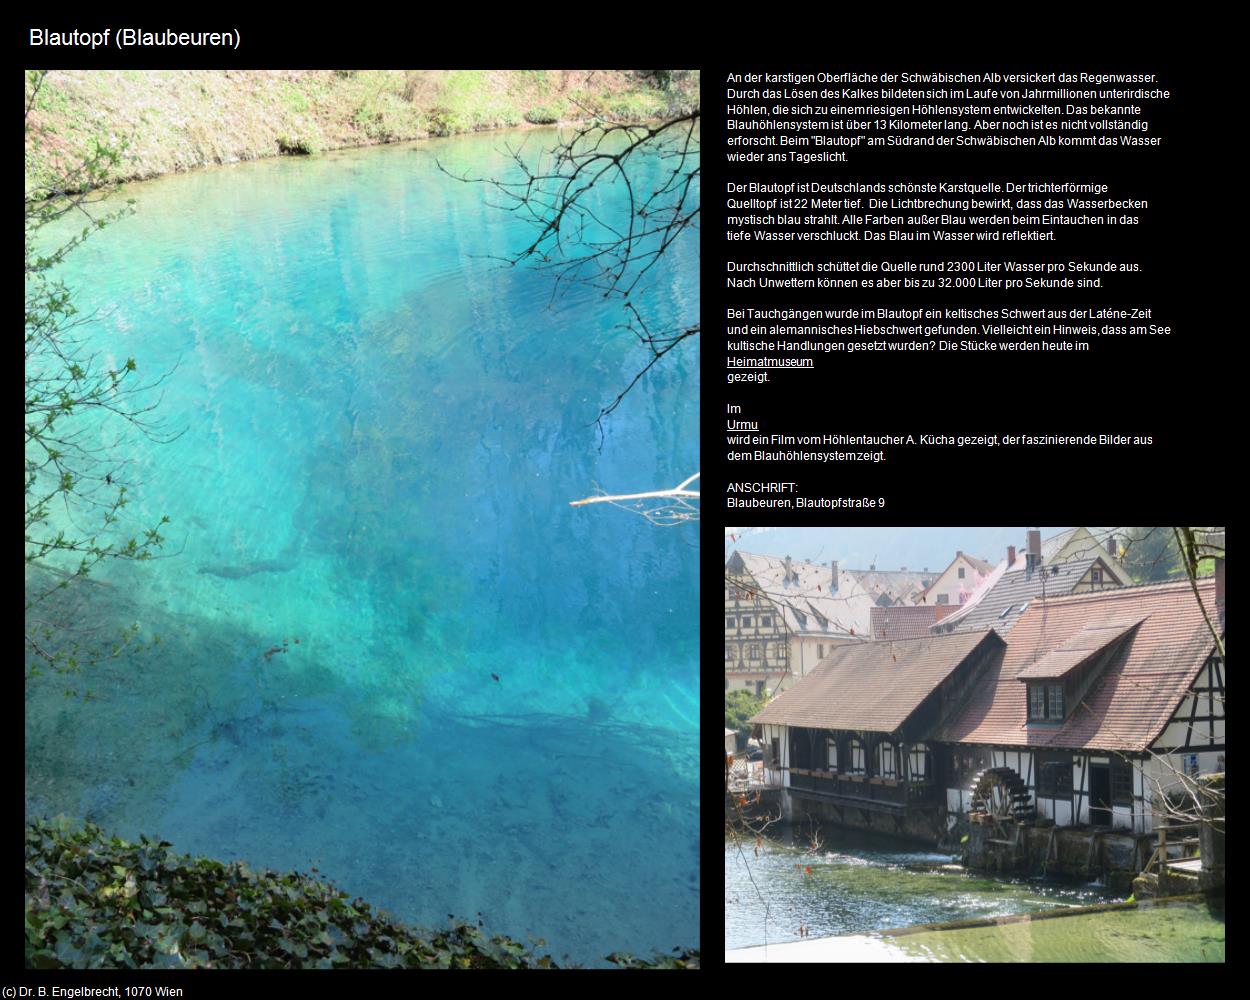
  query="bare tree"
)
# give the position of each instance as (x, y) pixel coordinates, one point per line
(662, 507)
(580, 237)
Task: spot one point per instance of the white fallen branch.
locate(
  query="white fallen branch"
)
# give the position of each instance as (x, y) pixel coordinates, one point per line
(679, 503)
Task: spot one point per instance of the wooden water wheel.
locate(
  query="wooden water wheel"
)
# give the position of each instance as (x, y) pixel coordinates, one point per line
(1002, 798)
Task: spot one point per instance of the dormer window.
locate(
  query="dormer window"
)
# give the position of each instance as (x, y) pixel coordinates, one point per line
(1045, 702)
(1069, 670)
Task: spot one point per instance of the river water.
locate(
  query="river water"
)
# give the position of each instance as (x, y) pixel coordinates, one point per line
(849, 884)
(380, 429)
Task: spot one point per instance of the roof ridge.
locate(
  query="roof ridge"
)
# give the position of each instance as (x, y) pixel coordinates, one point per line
(936, 635)
(1112, 591)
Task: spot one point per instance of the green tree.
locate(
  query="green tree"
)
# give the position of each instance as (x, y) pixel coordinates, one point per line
(740, 706)
(76, 488)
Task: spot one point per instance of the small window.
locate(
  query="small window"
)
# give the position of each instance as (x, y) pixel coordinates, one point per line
(961, 572)
(766, 621)
(1006, 611)
(919, 762)
(1054, 775)
(943, 598)
(746, 621)
(820, 651)
(1095, 576)
(886, 766)
(1121, 782)
(729, 654)
(1045, 702)
(831, 753)
(1054, 698)
(1024, 606)
(753, 651)
(857, 757)
(731, 622)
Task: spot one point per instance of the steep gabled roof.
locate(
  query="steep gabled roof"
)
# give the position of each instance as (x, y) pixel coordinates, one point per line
(1087, 546)
(1141, 686)
(803, 597)
(979, 566)
(895, 586)
(905, 621)
(1000, 606)
(873, 686)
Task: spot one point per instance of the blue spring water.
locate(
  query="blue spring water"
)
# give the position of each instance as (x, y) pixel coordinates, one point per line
(381, 429)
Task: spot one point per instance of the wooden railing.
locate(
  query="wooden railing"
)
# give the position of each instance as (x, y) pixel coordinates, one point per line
(859, 788)
(1159, 860)
(740, 772)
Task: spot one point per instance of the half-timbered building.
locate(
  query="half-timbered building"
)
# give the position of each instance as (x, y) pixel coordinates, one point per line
(783, 616)
(1100, 703)
(853, 740)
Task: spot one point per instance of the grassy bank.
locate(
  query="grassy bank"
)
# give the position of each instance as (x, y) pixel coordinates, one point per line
(173, 120)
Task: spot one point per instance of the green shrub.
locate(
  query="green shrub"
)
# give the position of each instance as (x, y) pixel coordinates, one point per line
(444, 121)
(544, 114)
(94, 901)
(296, 145)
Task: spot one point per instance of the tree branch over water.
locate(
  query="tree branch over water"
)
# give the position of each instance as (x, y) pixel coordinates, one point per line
(80, 403)
(576, 241)
(581, 239)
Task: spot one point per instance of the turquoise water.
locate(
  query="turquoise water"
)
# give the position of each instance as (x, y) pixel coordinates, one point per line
(864, 882)
(380, 433)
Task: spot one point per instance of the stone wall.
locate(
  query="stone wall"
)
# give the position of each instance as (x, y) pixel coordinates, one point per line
(926, 823)
(1058, 851)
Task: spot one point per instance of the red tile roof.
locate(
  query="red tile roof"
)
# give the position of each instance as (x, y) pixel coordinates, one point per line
(1077, 649)
(904, 621)
(1141, 687)
(873, 686)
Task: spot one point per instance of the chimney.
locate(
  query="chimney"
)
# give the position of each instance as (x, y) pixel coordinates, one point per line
(789, 572)
(833, 569)
(1219, 585)
(1011, 556)
(1035, 550)
(1112, 550)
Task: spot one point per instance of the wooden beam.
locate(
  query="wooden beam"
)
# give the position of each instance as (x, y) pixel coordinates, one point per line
(1080, 792)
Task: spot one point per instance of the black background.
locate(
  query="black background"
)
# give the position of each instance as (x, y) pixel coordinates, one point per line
(1165, 387)
(1173, 391)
